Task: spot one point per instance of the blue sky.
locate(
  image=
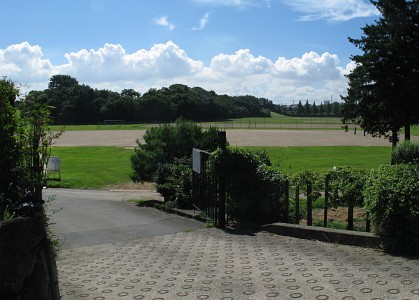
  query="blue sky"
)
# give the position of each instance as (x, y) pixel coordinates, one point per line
(284, 50)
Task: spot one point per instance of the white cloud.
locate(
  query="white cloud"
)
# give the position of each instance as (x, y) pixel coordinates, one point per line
(313, 76)
(240, 64)
(25, 62)
(163, 21)
(332, 10)
(204, 20)
(310, 67)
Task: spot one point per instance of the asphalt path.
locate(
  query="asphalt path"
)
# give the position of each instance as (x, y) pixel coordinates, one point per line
(90, 217)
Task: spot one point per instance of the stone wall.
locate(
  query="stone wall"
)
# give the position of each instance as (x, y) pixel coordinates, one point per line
(27, 262)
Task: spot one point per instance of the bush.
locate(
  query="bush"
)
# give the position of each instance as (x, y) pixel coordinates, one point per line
(253, 187)
(166, 143)
(174, 182)
(346, 187)
(405, 152)
(392, 197)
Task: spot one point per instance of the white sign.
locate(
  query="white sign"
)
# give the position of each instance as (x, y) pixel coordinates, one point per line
(54, 164)
(196, 160)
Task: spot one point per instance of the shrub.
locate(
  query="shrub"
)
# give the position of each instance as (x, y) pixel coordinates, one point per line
(392, 197)
(346, 187)
(174, 182)
(253, 187)
(166, 143)
(405, 152)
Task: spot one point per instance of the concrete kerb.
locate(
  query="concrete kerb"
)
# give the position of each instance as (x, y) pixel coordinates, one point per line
(329, 235)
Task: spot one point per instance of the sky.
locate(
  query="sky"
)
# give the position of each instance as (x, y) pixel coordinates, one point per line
(283, 50)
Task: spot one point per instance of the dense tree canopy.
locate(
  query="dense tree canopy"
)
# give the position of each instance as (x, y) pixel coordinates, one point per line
(383, 96)
(80, 104)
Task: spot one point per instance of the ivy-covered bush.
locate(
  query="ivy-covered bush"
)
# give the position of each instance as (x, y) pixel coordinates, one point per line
(346, 187)
(405, 152)
(174, 182)
(392, 197)
(253, 187)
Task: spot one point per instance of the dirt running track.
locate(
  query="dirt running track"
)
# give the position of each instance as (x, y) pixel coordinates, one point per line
(236, 137)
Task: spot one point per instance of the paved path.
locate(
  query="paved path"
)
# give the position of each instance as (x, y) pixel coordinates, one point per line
(89, 218)
(213, 264)
(197, 263)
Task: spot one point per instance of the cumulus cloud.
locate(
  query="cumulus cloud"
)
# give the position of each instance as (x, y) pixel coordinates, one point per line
(163, 21)
(25, 62)
(204, 20)
(332, 10)
(239, 64)
(313, 76)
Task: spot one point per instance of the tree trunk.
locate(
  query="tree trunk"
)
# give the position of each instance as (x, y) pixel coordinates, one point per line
(407, 132)
(394, 138)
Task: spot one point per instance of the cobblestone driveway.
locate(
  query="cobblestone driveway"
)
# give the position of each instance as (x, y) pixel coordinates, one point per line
(213, 264)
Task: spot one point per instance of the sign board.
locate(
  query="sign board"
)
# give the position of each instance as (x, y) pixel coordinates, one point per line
(54, 164)
(196, 160)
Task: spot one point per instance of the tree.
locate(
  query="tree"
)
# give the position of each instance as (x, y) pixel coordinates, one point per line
(307, 110)
(300, 109)
(164, 144)
(321, 110)
(24, 144)
(382, 95)
(12, 169)
(314, 110)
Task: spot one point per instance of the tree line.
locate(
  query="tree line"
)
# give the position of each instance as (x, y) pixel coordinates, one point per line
(74, 103)
(325, 109)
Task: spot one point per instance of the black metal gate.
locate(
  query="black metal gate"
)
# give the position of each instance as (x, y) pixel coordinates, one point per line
(204, 187)
(208, 193)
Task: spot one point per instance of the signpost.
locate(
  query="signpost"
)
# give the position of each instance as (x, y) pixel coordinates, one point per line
(53, 166)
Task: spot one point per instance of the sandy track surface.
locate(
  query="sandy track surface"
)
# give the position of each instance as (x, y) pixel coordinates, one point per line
(236, 137)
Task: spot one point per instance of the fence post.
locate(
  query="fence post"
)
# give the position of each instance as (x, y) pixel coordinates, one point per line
(326, 199)
(368, 223)
(309, 204)
(297, 204)
(351, 215)
(287, 201)
(222, 142)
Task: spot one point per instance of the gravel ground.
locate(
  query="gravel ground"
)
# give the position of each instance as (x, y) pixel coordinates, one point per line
(236, 137)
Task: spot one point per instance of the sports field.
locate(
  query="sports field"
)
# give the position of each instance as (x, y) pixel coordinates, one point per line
(236, 137)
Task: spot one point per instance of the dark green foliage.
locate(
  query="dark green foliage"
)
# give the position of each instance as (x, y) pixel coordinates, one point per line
(12, 168)
(406, 152)
(165, 143)
(80, 104)
(346, 187)
(25, 140)
(253, 188)
(392, 197)
(382, 96)
(174, 182)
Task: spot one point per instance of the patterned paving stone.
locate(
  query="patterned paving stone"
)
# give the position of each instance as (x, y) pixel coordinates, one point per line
(213, 264)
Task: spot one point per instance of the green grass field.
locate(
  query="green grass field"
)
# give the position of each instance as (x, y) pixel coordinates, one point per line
(97, 167)
(296, 159)
(92, 167)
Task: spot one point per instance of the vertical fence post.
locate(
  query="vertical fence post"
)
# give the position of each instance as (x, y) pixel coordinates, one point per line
(368, 223)
(351, 215)
(297, 204)
(309, 204)
(222, 142)
(287, 201)
(326, 199)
